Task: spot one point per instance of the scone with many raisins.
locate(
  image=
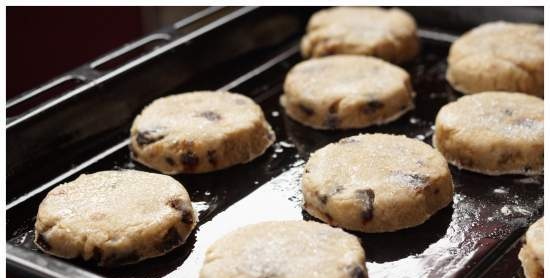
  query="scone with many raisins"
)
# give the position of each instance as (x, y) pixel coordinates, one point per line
(376, 183)
(115, 217)
(199, 132)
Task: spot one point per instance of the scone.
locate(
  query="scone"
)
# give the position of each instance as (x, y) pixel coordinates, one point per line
(498, 56)
(531, 254)
(376, 183)
(493, 133)
(346, 91)
(115, 217)
(199, 132)
(285, 249)
(389, 34)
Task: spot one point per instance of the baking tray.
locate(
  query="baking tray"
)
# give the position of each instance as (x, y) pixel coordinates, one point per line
(249, 50)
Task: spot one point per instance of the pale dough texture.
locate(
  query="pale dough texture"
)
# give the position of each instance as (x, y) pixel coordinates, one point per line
(493, 133)
(376, 183)
(531, 254)
(346, 91)
(199, 132)
(285, 249)
(498, 56)
(389, 34)
(115, 217)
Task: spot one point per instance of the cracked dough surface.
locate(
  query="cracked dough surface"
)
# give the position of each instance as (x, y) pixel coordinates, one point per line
(346, 91)
(285, 249)
(498, 56)
(199, 132)
(115, 217)
(389, 34)
(531, 254)
(376, 183)
(493, 133)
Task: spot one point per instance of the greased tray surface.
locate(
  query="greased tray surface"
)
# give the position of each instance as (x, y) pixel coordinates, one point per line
(486, 211)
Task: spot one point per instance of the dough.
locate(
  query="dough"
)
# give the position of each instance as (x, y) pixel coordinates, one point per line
(531, 254)
(376, 183)
(115, 217)
(389, 34)
(346, 91)
(285, 249)
(498, 56)
(493, 133)
(199, 132)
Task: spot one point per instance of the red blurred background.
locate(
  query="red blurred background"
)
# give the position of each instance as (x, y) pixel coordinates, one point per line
(44, 42)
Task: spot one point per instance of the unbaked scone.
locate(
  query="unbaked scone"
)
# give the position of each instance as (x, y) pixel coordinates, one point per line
(115, 217)
(389, 34)
(285, 249)
(376, 183)
(498, 56)
(346, 91)
(199, 132)
(531, 254)
(493, 133)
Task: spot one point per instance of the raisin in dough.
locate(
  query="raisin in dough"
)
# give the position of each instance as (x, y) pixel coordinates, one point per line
(115, 217)
(376, 183)
(531, 254)
(389, 34)
(285, 249)
(346, 91)
(498, 56)
(493, 133)
(200, 132)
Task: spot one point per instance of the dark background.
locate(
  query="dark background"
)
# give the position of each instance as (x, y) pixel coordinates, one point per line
(44, 42)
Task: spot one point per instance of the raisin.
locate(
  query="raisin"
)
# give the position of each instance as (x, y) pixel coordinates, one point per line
(170, 240)
(332, 121)
(372, 106)
(211, 154)
(147, 137)
(189, 160)
(42, 242)
(334, 107)
(507, 112)
(308, 111)
(211, 116)
(170, 161)
(357, 272)
(187, 217)
(366, 196)
(323, 198)
(336, 189)
(416, 180)
(186, 212)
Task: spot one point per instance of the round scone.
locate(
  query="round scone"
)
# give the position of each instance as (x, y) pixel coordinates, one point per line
(498, 56)
(531, 254)
(346, 91)
(376, 183)
(285, 249)
(199, 132)
(389, 34)
(115, 217)
(493, 133)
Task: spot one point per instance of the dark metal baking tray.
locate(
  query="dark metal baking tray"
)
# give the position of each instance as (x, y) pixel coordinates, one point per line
(249, 50)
